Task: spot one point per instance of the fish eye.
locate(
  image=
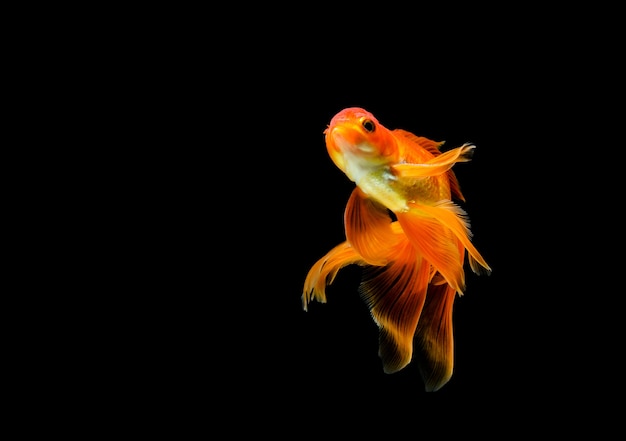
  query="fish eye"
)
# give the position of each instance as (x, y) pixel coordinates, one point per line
(368, 125)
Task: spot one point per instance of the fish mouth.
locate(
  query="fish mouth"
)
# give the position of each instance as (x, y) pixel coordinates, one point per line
(344, 138)
(337, 145)
(338, 137)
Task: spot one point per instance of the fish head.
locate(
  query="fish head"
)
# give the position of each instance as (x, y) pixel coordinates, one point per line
(355, 138)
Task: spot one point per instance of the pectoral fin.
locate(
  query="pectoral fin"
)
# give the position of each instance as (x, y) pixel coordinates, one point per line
(437, 165)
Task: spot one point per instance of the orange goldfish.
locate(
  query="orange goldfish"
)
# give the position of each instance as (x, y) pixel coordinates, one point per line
(402, 226)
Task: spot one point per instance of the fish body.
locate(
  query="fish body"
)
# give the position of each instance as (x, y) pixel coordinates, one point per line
(403, 227)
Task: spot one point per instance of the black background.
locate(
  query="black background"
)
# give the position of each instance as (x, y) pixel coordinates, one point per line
(258, 201)
(238, 198)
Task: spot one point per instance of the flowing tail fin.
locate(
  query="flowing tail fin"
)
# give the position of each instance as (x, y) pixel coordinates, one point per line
(413, 271)
(434, 341)
(395, 295)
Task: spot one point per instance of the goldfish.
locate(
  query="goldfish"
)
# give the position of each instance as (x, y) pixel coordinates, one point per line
(404, 225)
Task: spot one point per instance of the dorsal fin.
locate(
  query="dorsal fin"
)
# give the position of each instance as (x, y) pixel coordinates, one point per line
(428, 144)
